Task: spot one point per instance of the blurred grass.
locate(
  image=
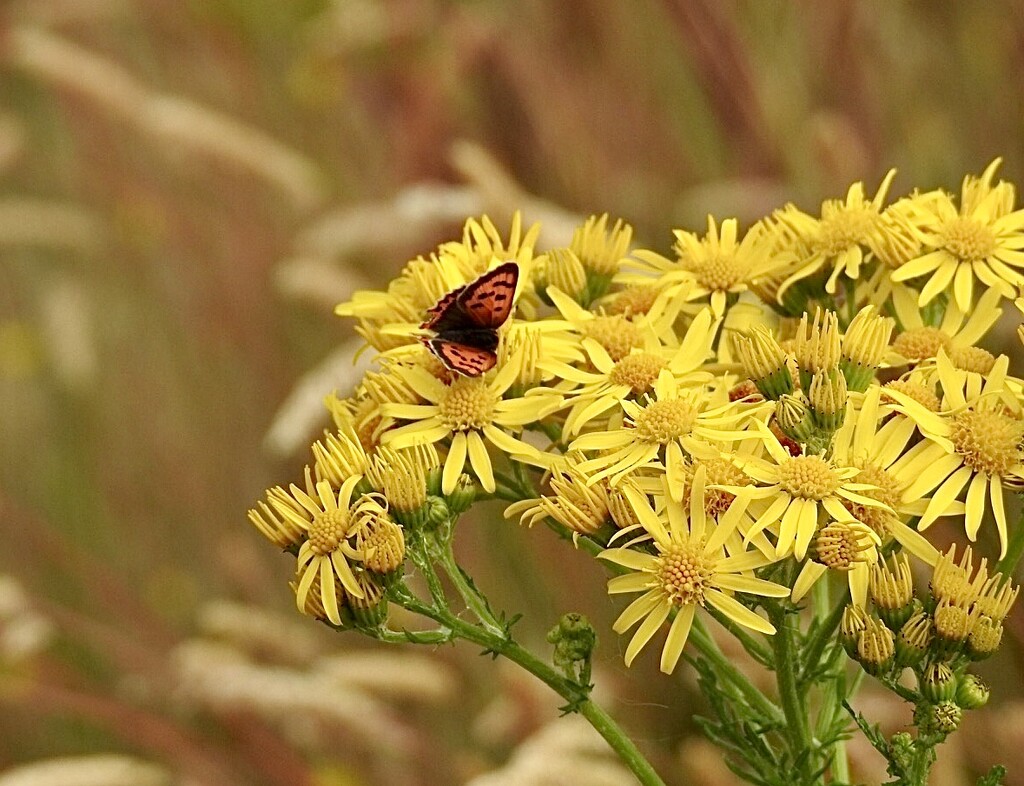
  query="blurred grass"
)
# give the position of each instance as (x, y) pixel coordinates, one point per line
(144, 346)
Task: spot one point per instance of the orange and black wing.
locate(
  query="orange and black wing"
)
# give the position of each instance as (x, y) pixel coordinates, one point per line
(488, 300)
(446, 313)
(462, 358)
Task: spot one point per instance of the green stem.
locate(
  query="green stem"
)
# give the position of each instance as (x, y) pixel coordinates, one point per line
(475, 602)
(576, 695)
(797, 728)
(823, 634)
(726, 669)
(1014, 550)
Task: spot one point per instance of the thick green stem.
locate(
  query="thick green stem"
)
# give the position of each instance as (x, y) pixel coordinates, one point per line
(786, 664)
(1014, 550)
(576, 695)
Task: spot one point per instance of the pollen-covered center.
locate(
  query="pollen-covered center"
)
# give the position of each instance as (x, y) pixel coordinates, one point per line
(844, 226)
(328, 530)
(615, 333)
(888, 493)
(920, 343)
(633, 300)
(924, 396)
(467, 404)
(967, 239)
(809, 477)
(663, 421)
(975, 359)
(684, 573)
(639, 371)
(717, 270)
(989, 441)
(840, 546)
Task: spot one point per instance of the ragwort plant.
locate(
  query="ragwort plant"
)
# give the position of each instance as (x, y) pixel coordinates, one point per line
(727, 430)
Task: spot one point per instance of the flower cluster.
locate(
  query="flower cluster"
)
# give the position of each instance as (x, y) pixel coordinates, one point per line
(806, 393)
(959, 621)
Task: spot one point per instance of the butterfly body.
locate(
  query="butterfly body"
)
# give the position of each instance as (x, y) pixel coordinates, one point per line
(466, 321)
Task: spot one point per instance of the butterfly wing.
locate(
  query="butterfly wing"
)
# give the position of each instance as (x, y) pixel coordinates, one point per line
(462, 358)
(446, 313)
(488, 300)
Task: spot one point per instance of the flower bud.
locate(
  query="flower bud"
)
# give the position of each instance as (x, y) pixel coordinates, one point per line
(764, 361)
(462, 496)
(437, 512)
(985, 637)
(914, 639)
(996, 597)
(816, 345)
(794, 418)
(875, 647)
(574, 639)
(852, 624)
(382, 545)
(892, 591)
(937, 682)
(828, 399)
(840, 545)
(953, 625)
(864, 346)
(972, 693)
(371, 610)
(945, 717)
(565, 271)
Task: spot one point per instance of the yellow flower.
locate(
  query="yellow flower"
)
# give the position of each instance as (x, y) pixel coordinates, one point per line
(918, 341)
(467, 411)
(599, 248)
(689, 569)
(616, 334)
(713, 267)
(664, 428)
(331, 525)
(983, 240)
(794, 492)
(974, 444)
(843, 238)
(632, 376)
(882, 460)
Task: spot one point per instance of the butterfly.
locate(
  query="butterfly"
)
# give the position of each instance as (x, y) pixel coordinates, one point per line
(466, 321)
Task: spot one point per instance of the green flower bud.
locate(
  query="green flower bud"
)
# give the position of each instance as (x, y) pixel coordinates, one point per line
(462, 495)
(938, 682)
(764, 361)
(574, 639)
(827, 397)
(853, 623)
(914, 639)
(892, 591)
(972, 693)
(794, 418)
(985, 638)
(437, 512)
(864, 345)
(875, 647)
(371, 610)
(945, 717)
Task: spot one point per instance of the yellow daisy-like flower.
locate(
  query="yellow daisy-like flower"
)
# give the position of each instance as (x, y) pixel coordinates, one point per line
(713, 267)
(794, 492)
(674, 423)
(689, 569)
(470, 411)
(974, 444)
(633, 375)
(983, 239)
(332, 527)
(957, 333)
(616, 334)
(599, 248)
(881, 456)
(841, 240)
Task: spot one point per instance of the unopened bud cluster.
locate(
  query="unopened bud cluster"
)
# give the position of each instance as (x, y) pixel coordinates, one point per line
(959, 621)
(811, 382)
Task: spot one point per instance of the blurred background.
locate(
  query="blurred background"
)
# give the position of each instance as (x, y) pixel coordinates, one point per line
(186, 190)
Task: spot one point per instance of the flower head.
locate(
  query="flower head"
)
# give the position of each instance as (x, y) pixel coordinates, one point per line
(689, 568)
